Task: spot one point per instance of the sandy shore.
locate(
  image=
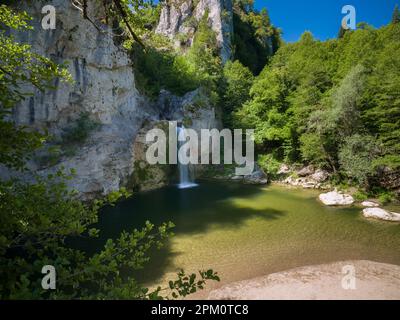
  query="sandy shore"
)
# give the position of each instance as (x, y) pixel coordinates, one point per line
(321, 282)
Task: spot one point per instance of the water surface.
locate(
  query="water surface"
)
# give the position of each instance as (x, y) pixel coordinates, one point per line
(247, 231)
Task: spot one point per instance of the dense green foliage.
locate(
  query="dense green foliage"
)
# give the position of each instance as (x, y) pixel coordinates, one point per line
(334, 104)
(237, 83)
(37, 216)
(255, 40)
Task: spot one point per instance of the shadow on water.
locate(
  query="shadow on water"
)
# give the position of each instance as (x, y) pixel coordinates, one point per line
(193, 211)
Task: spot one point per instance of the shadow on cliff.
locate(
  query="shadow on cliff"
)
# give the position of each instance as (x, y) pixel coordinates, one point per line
(193, 211)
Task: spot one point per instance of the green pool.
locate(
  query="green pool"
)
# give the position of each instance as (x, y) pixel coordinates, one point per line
(248, 231)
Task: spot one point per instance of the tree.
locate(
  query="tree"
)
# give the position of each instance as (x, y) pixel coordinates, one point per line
(396, 15)
(357, 156)
(238, 80)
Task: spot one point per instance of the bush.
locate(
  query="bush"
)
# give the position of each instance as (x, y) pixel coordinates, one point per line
(356, 157)
(269, 164)
(80, 130)
(386, 197)
(360, 195)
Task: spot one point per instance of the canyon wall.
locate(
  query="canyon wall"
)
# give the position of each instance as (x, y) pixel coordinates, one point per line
(179, 18)
(104, 89)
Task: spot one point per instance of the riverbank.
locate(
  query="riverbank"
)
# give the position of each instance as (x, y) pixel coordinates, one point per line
(373, 280)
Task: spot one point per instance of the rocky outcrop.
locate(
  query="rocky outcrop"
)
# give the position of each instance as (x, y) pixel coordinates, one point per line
(144, 176)
(258, 177)
(336, 198)
(389, 179)
(320, 176)
(104, 88)
(179, 20)
(194, 111)
(307, 177)
(381, 214)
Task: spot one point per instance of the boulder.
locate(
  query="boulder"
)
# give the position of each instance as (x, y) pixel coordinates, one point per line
(306, 171)
(284, 169)
(320, 176)
(370, 204)
(257, 177)
(335, 198)
(378, 213)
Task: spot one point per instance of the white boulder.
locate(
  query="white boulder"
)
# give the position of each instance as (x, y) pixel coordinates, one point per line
(381, 214)
(335, 198)
(370, 204)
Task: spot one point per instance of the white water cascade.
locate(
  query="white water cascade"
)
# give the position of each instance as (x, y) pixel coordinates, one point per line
(185, 178)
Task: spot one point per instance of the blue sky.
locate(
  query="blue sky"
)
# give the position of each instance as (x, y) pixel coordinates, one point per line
(323, 17)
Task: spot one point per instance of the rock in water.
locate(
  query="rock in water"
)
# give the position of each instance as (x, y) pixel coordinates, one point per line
(370, 204)
(335, 198)
(381, 214)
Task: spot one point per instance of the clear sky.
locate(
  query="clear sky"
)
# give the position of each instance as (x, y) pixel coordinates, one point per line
(323, 17)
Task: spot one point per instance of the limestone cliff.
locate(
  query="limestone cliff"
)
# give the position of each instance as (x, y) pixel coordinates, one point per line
(179, 17)
(104, 88)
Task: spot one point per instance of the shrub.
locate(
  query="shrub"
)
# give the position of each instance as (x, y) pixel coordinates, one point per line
(80, 130)
(269, 164)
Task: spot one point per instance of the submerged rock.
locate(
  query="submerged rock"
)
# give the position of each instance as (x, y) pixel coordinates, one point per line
(378, 213)
(335, 198)
(257, 177)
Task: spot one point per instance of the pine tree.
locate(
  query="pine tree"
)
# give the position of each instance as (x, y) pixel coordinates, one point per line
(396, 15)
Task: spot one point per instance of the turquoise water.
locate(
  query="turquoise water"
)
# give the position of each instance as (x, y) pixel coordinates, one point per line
(245, 231)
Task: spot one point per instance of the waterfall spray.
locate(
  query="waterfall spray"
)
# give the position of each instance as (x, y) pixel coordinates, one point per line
(185, 177)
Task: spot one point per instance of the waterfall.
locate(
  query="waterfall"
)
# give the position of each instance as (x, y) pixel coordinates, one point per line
(185, 178)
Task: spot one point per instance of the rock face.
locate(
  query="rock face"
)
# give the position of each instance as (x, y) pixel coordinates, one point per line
(320, 176)
(179, 20)
(390, 179)
(335, 198)
(147, 177)
(104, 88)
(381, 214)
